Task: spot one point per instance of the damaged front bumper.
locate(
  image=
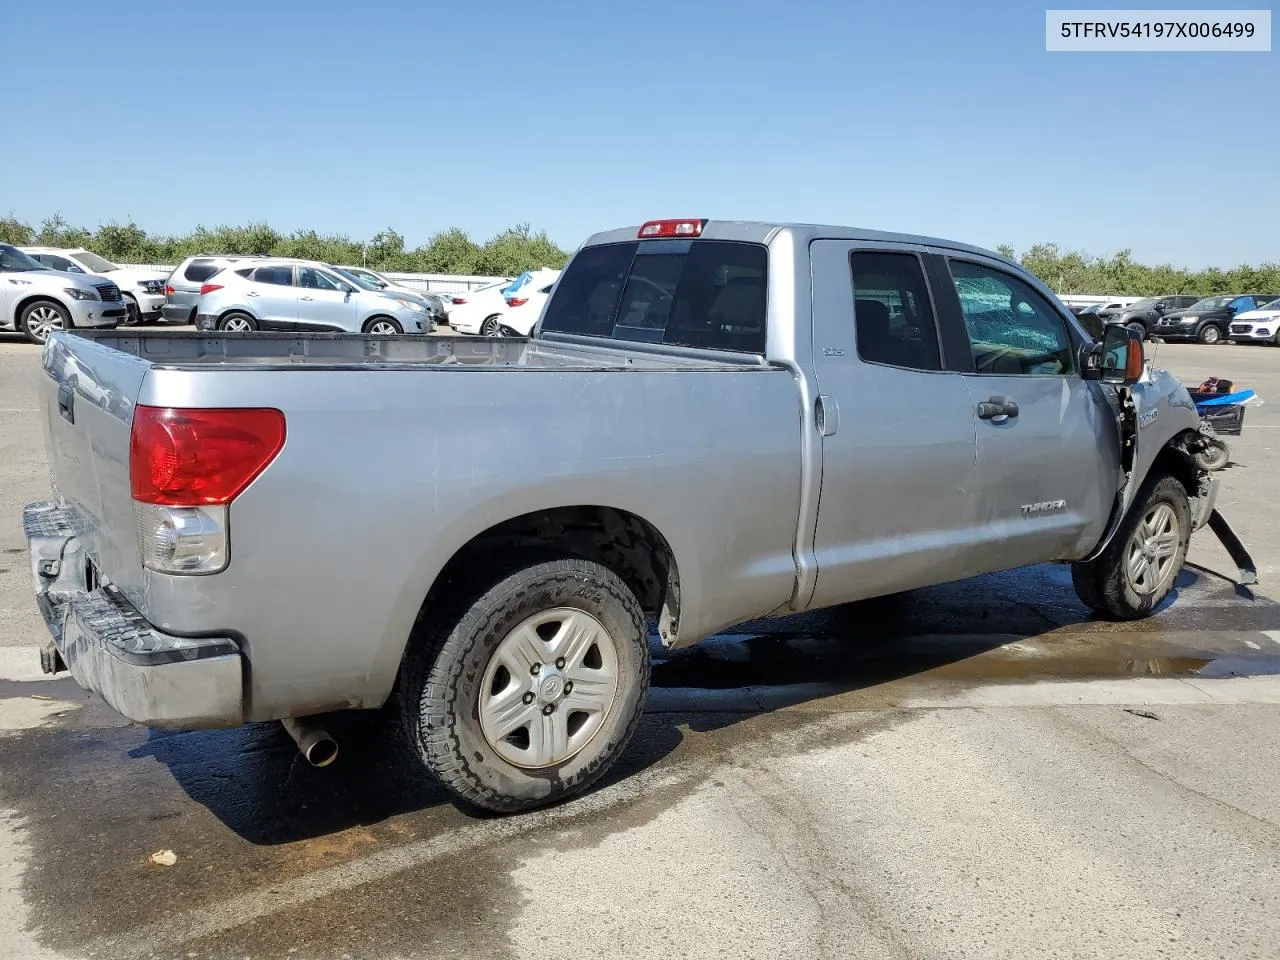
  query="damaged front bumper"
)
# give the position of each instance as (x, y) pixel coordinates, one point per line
(148, 676)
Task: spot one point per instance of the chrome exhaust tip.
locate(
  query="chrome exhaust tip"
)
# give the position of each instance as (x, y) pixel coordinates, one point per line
(314, 743)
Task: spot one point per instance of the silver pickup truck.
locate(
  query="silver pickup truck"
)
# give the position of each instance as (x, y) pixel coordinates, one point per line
(712, 422)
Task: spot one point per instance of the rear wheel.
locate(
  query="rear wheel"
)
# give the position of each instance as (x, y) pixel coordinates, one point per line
(41, 318)
(528, 694)
(382, 326)
(237, 322)
(1137, 569)
(491, 327)
(1209, 334)
(1139, 329)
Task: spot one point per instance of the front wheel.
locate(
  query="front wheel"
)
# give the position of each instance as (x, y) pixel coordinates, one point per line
(533, 692)
(1139, 329)
(382, 326)
(41, 318)
(1209, 334)
(132, 315)
(1130, 578)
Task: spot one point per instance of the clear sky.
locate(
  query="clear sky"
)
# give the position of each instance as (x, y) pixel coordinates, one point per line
(946, 118)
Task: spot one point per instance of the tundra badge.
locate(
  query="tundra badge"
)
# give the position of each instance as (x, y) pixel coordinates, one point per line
(1044, 506)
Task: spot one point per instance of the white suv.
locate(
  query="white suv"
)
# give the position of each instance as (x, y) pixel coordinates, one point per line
(36, 301)
(143, 289)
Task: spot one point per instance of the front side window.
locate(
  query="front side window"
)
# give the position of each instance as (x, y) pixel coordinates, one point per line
(708, 294)
(313, 279)
(278, 275)
(1012, 329)
(893, 314)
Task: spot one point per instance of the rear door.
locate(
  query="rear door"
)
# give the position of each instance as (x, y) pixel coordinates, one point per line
(323, 303)
(273, 297)
(1048, 451)
(899, 465)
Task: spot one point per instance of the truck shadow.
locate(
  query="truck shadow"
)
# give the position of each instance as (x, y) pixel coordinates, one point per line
(972, 632)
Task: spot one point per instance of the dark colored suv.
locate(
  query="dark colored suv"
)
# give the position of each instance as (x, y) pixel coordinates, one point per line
(1207, 320)
(1142, 315)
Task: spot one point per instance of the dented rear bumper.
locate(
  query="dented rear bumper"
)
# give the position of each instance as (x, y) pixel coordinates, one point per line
(145, 674)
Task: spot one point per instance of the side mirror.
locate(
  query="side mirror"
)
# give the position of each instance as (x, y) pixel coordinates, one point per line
(347, 289)
(74, 269)
(1119, 358)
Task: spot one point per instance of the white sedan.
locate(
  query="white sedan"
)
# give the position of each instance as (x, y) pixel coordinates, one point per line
(524, 308)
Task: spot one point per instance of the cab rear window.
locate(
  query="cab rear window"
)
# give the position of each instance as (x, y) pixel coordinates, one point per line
(691, 293)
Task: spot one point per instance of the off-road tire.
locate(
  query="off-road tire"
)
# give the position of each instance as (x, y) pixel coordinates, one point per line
(437, 691)
(1103, 585)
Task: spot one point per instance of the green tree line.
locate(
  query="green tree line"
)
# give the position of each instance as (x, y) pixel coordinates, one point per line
(1120, 276)
(519, 248)
(451, 251)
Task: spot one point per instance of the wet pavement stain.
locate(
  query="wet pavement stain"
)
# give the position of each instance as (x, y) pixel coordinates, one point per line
(368, 857)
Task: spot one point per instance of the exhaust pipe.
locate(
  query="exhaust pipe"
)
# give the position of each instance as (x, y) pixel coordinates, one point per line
(314, 743)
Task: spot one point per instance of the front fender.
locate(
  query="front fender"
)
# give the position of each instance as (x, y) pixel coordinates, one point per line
(1153, 416)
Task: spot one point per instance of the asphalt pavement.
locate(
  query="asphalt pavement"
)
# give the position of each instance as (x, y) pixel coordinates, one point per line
(972, 770)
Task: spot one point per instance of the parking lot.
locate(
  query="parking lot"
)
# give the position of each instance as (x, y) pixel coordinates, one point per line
(976, 769)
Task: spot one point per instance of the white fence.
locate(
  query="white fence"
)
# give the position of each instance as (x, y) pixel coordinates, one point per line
(437, 282)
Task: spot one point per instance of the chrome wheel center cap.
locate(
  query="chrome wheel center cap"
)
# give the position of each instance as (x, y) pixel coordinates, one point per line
(551, 688)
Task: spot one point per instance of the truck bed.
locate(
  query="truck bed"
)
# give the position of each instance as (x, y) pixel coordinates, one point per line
(179, 349)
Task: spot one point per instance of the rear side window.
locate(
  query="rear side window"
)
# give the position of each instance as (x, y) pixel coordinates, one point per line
(893, 314)
(692, 293)
(198, 271)
(279, 275)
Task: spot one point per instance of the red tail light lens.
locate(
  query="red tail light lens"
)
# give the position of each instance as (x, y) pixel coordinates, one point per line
(209, 288)
(671, 228)
(458, 300)
(169, 291)
(188, 457)
(517, 301)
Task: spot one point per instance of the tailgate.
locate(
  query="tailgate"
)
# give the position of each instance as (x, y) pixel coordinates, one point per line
(87, 399)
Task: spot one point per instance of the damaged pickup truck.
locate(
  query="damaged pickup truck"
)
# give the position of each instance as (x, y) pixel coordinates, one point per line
(712, 422)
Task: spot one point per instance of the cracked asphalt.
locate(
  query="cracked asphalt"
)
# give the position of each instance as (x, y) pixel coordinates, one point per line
(973, 770)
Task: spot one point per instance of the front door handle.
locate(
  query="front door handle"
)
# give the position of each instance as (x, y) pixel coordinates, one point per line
(306, 298)
(997, 408)
(251, 294)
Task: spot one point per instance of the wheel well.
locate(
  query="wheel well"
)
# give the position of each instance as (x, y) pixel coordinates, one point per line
(235, 310)
(626, 544)
(36, 298)
(1177, 460)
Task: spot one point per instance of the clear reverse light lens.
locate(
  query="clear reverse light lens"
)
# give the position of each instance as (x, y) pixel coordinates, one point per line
(190, 540)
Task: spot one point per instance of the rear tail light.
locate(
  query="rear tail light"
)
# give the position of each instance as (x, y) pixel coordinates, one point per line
(671, 228)
(209, 288)
(169, 291)
(458, 300)
(185, 467)
(517, 301)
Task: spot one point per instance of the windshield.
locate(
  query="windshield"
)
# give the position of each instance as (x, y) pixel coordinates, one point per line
(93, 262)
(14, 260)
(1143, 303)
(1273, 305)
(1211, 303)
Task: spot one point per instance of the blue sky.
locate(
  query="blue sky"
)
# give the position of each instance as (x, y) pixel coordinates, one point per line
(934, 117)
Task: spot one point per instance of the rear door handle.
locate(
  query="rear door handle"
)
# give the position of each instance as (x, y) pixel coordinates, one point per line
(251, 294)
(997, 408)
(306, 298)
(827, 415)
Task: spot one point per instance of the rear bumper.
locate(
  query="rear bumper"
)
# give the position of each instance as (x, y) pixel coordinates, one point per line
(177, 312)
(146, 675)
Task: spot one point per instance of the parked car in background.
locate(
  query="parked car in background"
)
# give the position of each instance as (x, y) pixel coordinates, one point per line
(1208, 320)
(379, 281)
(35, 300)
(298, 295)
(143, 289)
(525, 306)
(1141, 316)
(433, 304)
(182, 288)
(477, 311)
(1089, 319)
(1257, 326)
